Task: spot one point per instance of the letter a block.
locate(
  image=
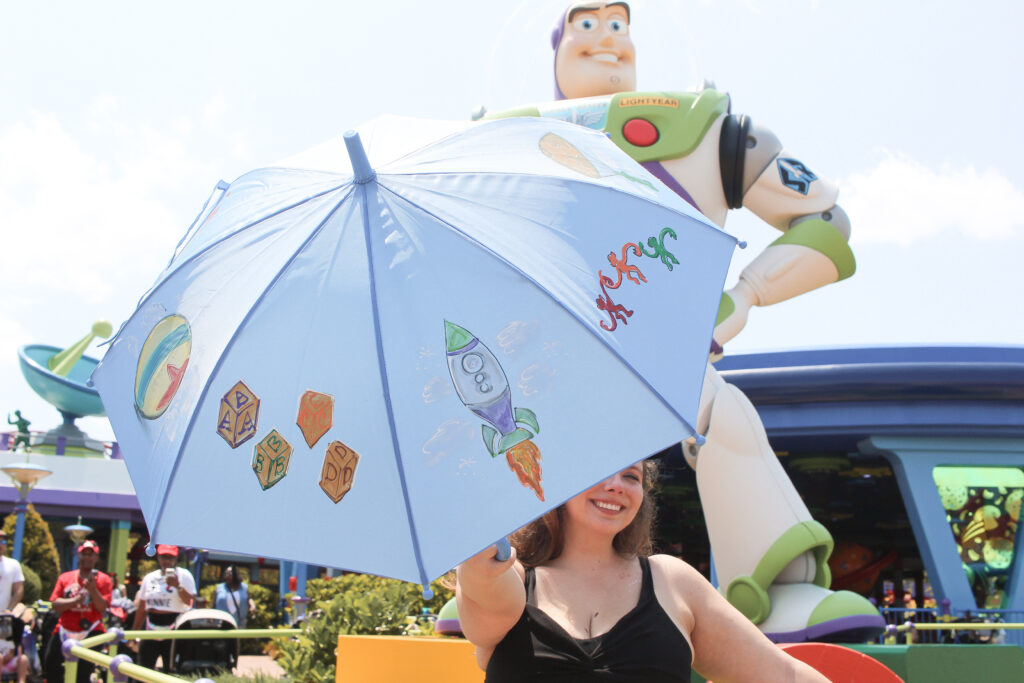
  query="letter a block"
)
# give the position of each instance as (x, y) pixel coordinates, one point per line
(316, 412)
(339, 470)
(270, 459)
(239, 412)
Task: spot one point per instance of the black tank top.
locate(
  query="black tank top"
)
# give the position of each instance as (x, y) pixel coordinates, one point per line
(644, 646)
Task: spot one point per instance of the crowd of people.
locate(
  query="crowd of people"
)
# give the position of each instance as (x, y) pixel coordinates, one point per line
(85, 601)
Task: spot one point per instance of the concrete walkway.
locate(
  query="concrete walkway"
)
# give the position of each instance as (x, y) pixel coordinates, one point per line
(250, 665)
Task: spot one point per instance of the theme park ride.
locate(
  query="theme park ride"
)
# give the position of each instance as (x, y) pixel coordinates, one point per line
(60, 377)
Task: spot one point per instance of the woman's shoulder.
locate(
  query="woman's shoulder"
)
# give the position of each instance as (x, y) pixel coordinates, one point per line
(678, 576)
(672, 566)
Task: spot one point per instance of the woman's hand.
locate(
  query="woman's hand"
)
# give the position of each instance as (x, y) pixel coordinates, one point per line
(486, 565)
(491, 596)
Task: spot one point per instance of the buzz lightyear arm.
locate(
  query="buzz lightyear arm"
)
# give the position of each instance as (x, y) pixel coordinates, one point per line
(783, 191)
(684, 137)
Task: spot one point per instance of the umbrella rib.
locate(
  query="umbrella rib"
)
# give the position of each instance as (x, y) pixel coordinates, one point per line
(231, 341)
(382, 368)
(156, 285)
(582, 322)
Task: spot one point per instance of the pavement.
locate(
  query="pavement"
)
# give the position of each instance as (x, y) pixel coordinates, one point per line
(250, 665)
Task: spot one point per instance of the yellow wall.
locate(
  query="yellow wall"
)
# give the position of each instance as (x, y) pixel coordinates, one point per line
(384, 659)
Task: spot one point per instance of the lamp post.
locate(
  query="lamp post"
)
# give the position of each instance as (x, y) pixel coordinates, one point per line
(78, 533)
(24, 476)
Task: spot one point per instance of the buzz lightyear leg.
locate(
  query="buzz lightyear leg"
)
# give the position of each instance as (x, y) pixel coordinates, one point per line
(770, 555)
(811, 254)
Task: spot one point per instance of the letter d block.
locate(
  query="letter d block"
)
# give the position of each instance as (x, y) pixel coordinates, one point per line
(339, 470)
(270, 459)
(239, 413)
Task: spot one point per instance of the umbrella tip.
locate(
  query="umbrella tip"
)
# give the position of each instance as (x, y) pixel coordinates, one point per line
(428, 594)
(363, 172)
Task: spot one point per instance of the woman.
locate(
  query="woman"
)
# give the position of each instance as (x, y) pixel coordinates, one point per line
(233, 596)
(580, 594)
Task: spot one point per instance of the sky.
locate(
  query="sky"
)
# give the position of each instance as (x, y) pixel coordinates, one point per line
(117, 119)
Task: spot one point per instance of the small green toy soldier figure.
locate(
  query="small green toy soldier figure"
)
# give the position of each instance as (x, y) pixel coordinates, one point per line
(21, 424)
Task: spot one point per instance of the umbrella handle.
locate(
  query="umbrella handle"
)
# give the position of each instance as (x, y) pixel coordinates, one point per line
(504, 550)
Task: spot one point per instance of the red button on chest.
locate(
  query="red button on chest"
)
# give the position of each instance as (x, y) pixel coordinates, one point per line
(640, 132)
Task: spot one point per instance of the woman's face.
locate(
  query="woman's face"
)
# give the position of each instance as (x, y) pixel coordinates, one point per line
(609, 507)
(229, 575)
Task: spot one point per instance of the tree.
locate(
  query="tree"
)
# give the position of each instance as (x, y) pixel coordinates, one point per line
(38, 550)
(33, 586)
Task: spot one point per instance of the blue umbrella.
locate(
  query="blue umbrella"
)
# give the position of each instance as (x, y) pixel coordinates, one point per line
(383, 366)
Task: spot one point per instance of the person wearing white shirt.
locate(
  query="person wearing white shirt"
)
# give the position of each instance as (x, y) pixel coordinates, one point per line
(165, 593)
(12, 580)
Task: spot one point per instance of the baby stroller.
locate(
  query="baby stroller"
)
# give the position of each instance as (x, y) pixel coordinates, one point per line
(11, 629)
(192, 656)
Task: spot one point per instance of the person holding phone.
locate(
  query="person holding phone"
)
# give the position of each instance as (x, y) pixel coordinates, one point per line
(165, 593)
(80, 597)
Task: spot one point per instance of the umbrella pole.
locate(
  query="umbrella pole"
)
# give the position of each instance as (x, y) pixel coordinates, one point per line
(363, 174)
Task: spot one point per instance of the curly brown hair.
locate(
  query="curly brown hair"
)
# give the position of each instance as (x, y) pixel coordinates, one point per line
(542, 540)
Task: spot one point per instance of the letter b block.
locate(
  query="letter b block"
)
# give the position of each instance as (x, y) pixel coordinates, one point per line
(270, 459)
(239, 412)
(339, 470)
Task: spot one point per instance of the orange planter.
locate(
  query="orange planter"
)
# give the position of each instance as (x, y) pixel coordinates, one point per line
(373, 659)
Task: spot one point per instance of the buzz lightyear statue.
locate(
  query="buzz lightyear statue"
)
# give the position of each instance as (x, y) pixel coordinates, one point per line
(770, 555)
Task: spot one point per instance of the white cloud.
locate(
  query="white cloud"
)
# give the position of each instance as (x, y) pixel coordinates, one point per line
(91, 208)
(902, 201)
(88, 223)
(213, 113)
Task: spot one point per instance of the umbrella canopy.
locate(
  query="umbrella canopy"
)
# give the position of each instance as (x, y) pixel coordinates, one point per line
(386, 364)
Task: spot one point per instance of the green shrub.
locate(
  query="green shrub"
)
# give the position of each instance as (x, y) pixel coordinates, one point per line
(33, 586)
(347, 605)
(38, 550)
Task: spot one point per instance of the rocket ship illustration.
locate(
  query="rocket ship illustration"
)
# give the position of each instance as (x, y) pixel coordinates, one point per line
(482, 387)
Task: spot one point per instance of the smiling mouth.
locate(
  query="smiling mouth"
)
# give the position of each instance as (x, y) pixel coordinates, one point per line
(611, 507)
(606, 57)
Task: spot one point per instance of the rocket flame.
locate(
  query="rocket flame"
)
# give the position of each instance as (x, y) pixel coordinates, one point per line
(524, 459)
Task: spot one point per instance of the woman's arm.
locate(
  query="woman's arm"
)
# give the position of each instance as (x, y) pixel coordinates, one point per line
(727, 646)
(490, 597)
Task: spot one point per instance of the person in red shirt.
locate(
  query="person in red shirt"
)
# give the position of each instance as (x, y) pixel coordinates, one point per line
(80, 597)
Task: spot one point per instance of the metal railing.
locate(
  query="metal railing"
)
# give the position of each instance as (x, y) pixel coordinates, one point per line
(980, 626)
(121, 667)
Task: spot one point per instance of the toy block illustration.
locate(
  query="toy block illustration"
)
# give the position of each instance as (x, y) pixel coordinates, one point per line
(239, 414)
(270, 459)
(339, 470)
(316, 413)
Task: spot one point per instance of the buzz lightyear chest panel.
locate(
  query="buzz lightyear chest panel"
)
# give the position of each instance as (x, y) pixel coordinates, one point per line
(652, 126)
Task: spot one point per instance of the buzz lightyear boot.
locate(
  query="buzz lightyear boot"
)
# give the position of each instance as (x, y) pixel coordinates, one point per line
(809, 255)
(770, 555)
